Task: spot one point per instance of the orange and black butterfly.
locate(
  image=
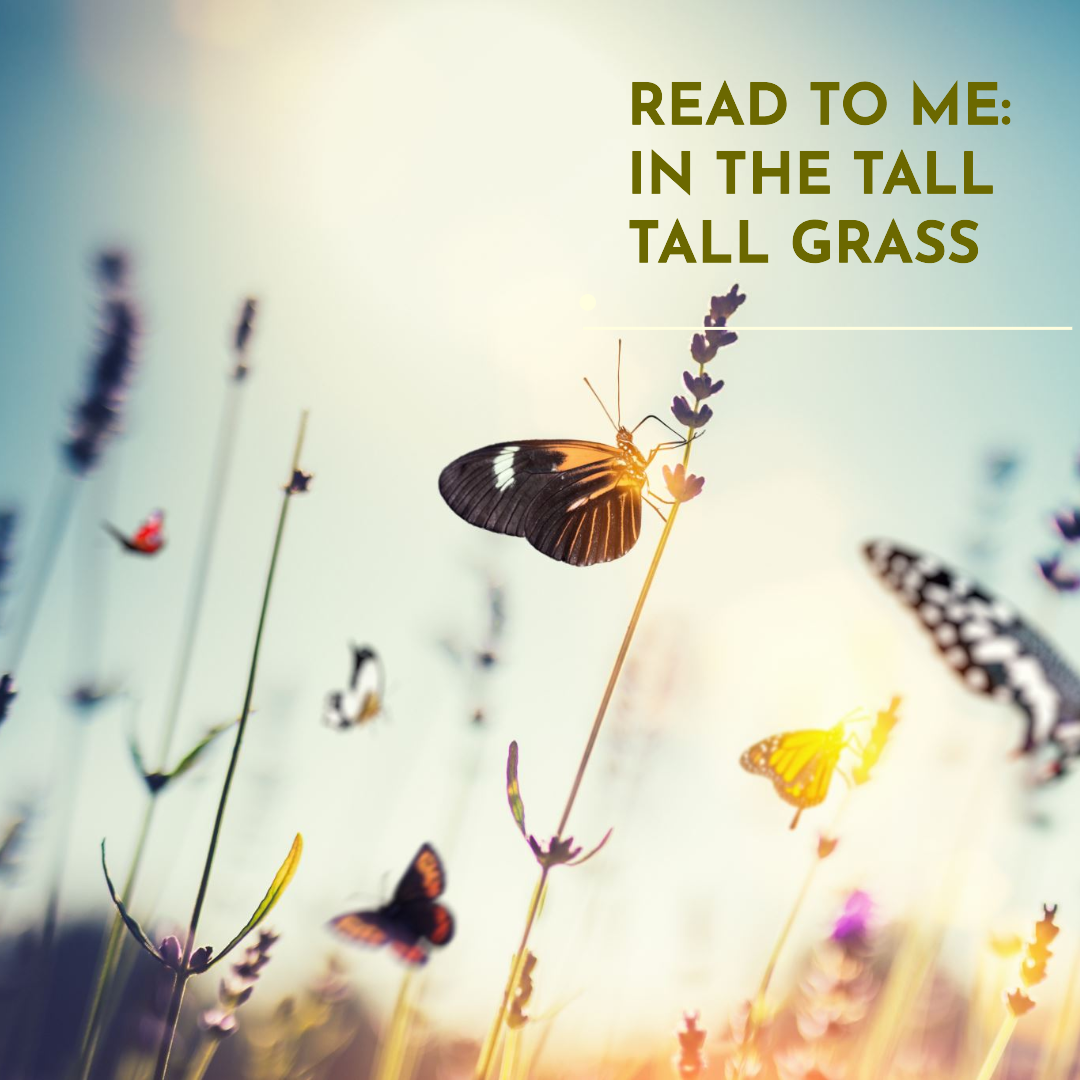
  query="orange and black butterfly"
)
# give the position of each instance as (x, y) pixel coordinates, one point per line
(799, 763)
(413, 921)
(576, 501)
(147, 539)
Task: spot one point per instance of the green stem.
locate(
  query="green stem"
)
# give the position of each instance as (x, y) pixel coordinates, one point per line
(488, 1053)
(180, 985)
(220, 471)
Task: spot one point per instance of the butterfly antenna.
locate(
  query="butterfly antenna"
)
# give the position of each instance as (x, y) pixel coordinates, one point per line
(618, 383)
(602, 405)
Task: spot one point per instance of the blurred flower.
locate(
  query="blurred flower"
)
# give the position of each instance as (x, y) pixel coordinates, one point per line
(88, 696)
(299, 483)
(8, 694)
(1002, 467)
(217, 1023)
(690, 1061)
(1067, 524)
(688, 417)
(236, 988)
(8, 519)
(682, 485)
(879, 735)
(1006, 945)
(517, 1017)
(1033, 966)
(1056, 576)
(701, 386)
(854, 920)
(242, 337)
(97, 417)
(826, 845)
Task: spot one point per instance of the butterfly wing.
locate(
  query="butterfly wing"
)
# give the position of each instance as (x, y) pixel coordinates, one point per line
(574, 501)
(366, 927)
(799, 763)
(148, 537)
(987, 644)
(425, 879)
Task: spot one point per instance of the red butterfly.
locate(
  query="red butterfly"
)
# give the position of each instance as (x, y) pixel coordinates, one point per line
(412, 921)
(147, 538)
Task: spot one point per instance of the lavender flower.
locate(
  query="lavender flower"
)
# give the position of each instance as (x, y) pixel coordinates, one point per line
(300, 482)
(690, 1060)
(683, 486)
(688, 417)
(242, 337)
(97, 417)
(702, 386)
(8, 693)
(235, 990)
(854, 920)
(1056, 575)
(1067, 524)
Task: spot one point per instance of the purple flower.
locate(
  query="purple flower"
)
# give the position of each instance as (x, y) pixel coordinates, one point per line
(97, 417)
(1068, 524)
(682, 485)
(854, 920)
(200, 958)
(242, 336)
(723, 307)
(171, 952)
(691, 418)
(701, 386)
(218, 1023)
(1056, 575)
(300, 482)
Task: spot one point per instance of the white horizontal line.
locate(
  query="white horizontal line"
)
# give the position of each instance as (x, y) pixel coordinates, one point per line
(739, 327)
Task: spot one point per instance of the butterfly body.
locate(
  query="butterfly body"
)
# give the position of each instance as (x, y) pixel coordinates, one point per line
(577, 502)
(989, 646)
(413, 921)
(799, 763)
(148, 538)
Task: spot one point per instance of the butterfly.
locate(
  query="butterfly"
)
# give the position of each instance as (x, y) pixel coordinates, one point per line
(412, 921)
(363, 700)
(577, 502)
(990, 647)
(147, 538)
(799, 763)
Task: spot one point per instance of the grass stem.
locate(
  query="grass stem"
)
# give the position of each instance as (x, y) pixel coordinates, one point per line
(180, 984)
(997, 1048)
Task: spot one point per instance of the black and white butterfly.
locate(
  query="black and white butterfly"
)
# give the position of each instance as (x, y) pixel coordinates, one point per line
(990, 647)
(363, 699)
(577, 502)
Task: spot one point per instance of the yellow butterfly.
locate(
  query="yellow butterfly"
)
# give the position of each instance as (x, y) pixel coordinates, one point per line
(799, 763)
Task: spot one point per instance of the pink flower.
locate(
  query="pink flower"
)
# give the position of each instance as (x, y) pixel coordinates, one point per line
(682, 485)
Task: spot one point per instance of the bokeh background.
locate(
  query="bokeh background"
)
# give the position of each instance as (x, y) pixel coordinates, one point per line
(431, 202)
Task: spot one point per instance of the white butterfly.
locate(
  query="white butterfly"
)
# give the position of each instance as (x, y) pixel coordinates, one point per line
(990, 647)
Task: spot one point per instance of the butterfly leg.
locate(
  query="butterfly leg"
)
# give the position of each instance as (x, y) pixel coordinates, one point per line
(648, 501)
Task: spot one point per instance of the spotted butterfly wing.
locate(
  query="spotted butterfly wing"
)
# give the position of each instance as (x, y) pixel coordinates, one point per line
(799, 763)
(989, 646)
(413, 920)
(577, 502)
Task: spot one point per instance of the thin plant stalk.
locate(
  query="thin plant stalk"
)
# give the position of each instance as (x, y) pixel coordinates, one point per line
(53, 528)
(392, 1050)
(1063, 1036)
(487, 1055)
(100, 1011)
(997, 1048)
(183, 975)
